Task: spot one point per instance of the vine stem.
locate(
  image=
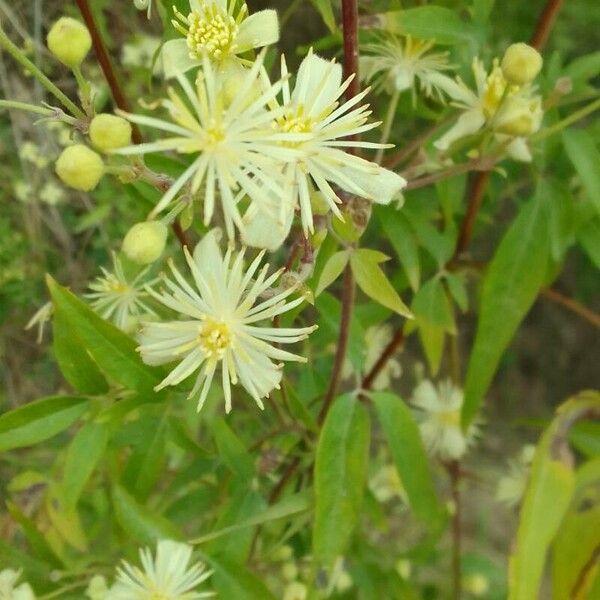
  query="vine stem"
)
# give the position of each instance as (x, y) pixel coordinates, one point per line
(387, 124)
(116, 90)
(455, 477)
(545, 23)
(394, 344)
(18, 55)
(350, 29)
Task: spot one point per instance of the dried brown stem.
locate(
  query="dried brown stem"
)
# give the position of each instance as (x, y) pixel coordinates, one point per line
(571, 304)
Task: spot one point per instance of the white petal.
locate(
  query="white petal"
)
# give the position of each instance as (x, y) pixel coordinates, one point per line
(468, 123)
(259, 29)
(264, 230)
(175, 58)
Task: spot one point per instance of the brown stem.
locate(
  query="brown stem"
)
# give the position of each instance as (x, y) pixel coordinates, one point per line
(350, 27)
(394, 344)
(342, 343)
(455, 473)
(475, 193)
(115, 87)
(574, 306)
(106, 64)
(545, 23)
(285, 478)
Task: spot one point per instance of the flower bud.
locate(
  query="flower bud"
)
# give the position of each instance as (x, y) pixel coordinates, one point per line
(79, 167)
(109, 132)
(69, 40)
(145, 242)
(521, 64)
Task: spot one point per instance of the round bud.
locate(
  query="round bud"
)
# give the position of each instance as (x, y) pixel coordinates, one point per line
(79, 167)
(145, 242)
(521, 64)
(109, 132)
(69, 40)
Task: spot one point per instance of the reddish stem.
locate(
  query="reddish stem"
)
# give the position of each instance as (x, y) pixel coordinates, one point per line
(395, 343)
(545, 23)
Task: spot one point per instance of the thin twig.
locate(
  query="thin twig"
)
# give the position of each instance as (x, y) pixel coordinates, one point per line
(106, 64)
(116, 90)
(394, 344)
(342, 343)
(476, 191)
(545, 23)
(455, 475)
(574, 306)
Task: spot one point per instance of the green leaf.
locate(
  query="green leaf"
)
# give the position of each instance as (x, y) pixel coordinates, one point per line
(434, 318)
(83, 455)
(373, 282)
(424, 22)
(39, 546)
(583, 153)
(75, 363)
(404, 440)
(510, 287)
(326, 12)
(589, 238)
(332, 270)
(288, 507)
(547, 498)
(402, 238)
(232, 450)
(233, 580)
(143, 524)
(112, 350)
(579, 535)
(40, 420)
(340, 477)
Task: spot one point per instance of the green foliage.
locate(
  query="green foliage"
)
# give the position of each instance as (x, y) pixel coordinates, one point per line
(340, 477)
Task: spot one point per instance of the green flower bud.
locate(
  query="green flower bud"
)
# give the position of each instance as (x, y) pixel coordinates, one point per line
(79, 167)
(145, 242)
(109, 132)
(69, 40)
(521, 64)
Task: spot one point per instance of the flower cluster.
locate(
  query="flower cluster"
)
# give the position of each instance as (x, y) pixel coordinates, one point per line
(260, 151)
(506, 105)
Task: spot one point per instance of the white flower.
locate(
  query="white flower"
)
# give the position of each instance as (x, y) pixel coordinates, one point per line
(511, 487)
(399, 64)
(509, 110)
(317, 126)
(97, 589)
(232, 142)
(165, 577)
(441, 419)
(219, 30)
(10, 591)
(221, 325)
(116, 298)
(386, 484)
(52, 193)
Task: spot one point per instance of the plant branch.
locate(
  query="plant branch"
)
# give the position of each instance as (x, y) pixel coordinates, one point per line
(475, 193)
(545, 23)
(18, 55)
(571, 304)
(394, 344)
(455, 474)
(106, 64)
(350, 28)
(118, 94)
(342, 343)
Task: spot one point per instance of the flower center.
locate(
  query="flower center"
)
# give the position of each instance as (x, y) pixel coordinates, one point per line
(450, 418)
(210, 30)
(117, 287)
(295, 121)
(214, 338)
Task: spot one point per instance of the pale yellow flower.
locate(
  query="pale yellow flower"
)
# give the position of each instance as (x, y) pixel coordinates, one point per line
(220, 326)
(219, 30)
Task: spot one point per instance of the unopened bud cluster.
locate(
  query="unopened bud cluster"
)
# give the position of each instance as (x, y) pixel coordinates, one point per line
(521, 64)
(145, 242)
(109, 132)
(80, 167)
(69, 41)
